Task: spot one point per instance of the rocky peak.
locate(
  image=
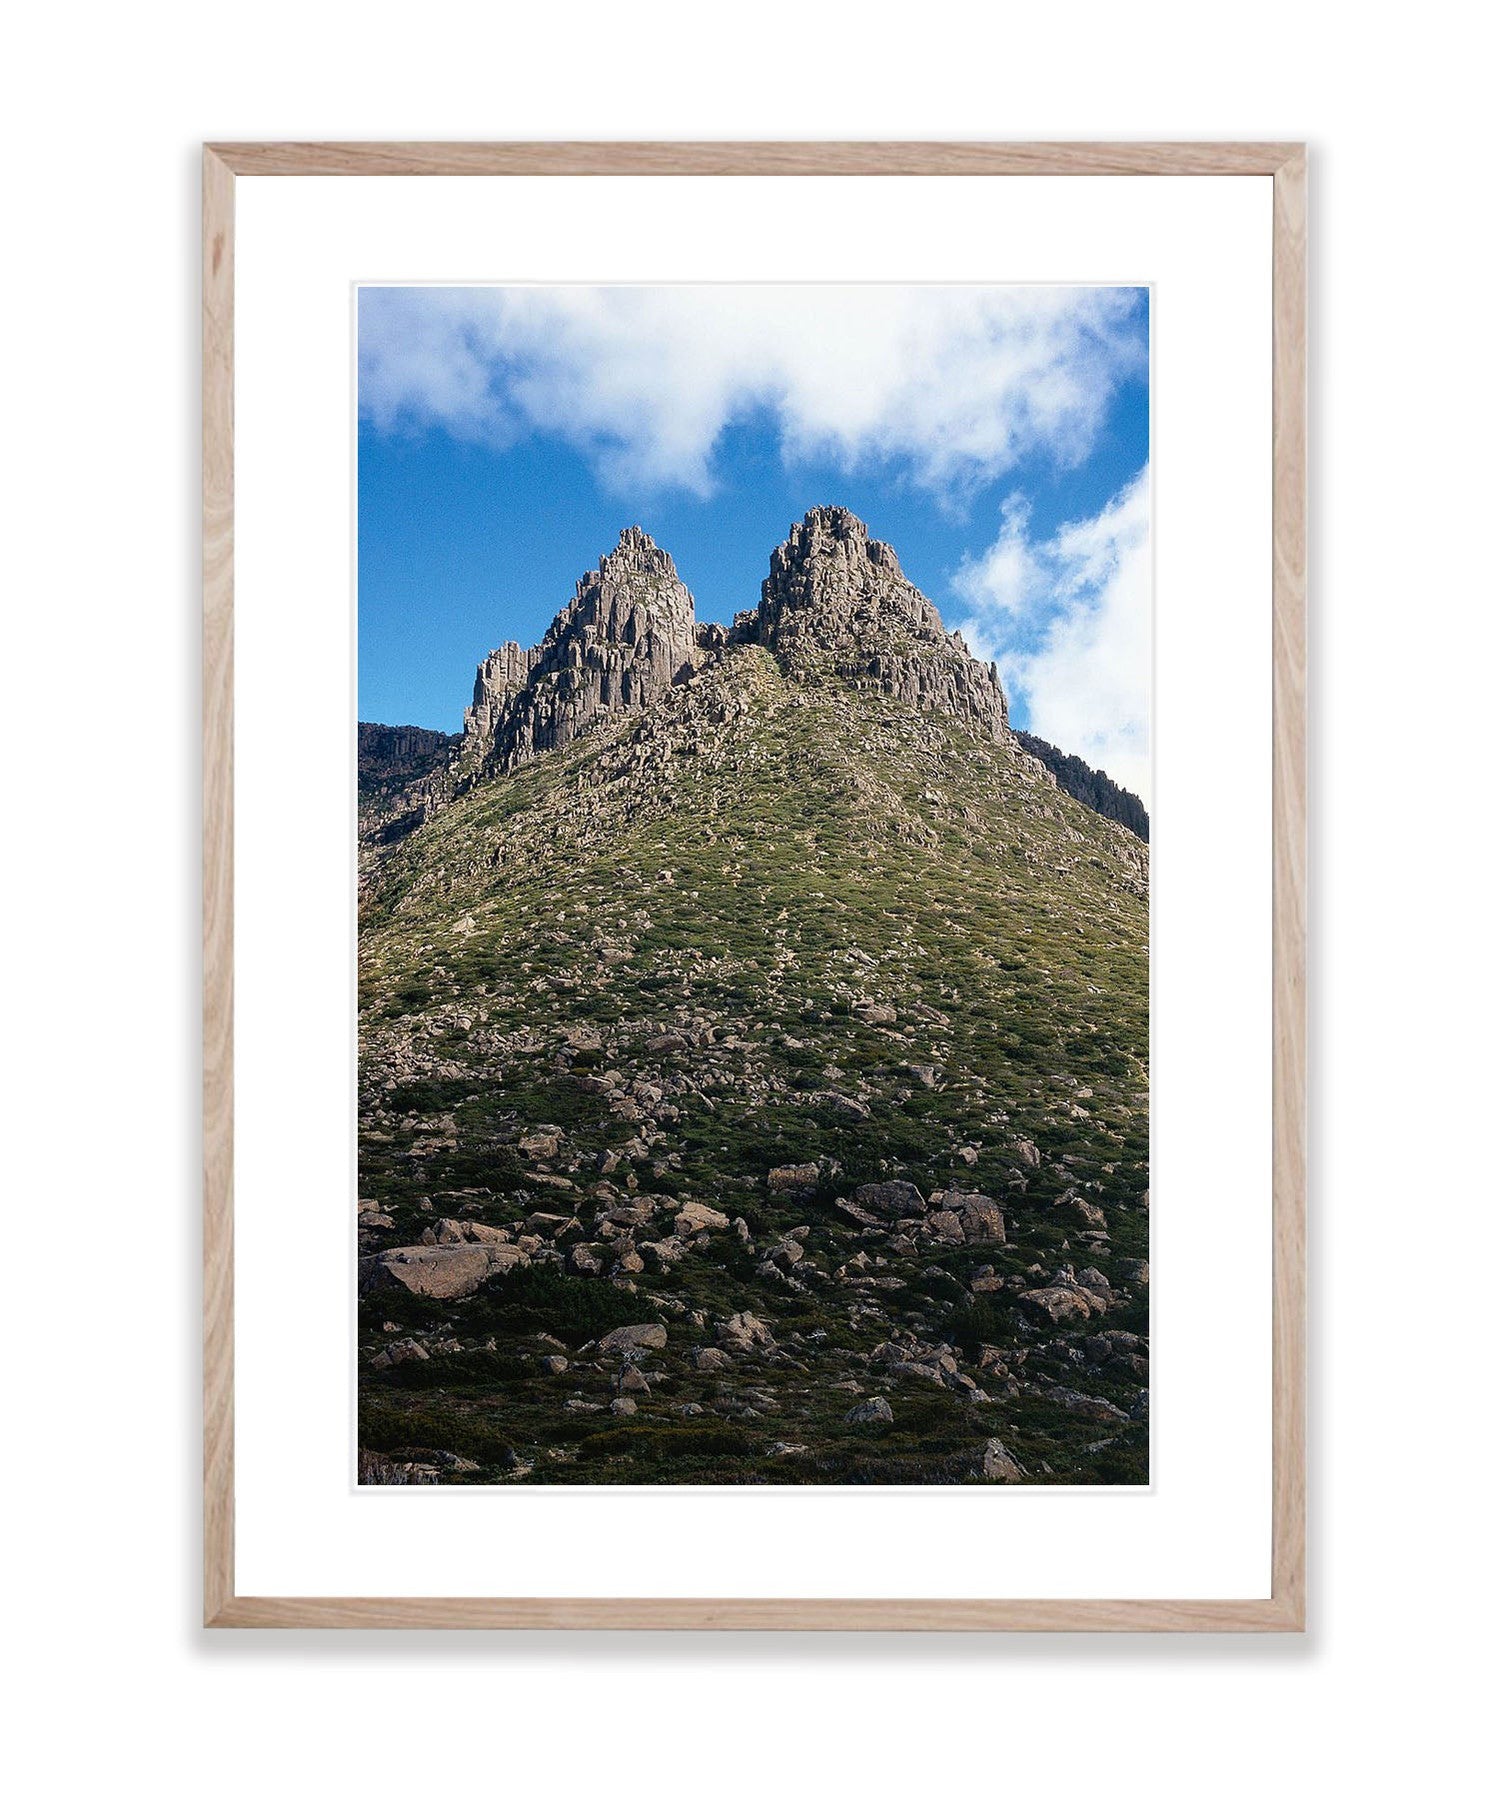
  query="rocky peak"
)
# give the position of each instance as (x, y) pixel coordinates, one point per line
(626, 636)
(836, 604)
(830, 569)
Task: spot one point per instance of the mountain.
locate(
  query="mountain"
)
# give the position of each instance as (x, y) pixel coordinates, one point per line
(753, 1061)
(402, 775)
(1090, 785)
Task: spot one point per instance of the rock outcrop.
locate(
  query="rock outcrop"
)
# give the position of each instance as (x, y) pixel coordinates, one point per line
(501, 676)
(837, 606)
(627, 636)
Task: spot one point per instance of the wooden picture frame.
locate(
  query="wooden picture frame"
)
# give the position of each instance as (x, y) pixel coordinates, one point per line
(1285, 163)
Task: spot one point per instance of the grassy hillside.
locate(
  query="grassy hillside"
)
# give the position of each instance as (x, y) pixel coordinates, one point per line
(765, 925)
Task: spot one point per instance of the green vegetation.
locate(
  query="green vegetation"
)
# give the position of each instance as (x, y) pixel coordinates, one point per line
(764, 923)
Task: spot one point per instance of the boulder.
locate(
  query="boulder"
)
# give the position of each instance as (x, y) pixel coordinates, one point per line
(438, 1271)
(796, 1177)
(1059, 1305)
(633, 1336)
(1077, 1210)
(999, 1464)
(980, 1216)
(744, 1331)
(407, 1350)
(890, 1199)
(924, 1371)
(870, 1411)
(1089, 1406)
(844, 1103)
(693, 1217)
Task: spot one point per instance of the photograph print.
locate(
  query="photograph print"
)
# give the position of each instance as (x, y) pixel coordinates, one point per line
(754, 775)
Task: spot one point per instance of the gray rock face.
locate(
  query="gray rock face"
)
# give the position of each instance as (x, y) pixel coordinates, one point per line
(981, 1218)
(629, 634)
(795, 1177)
(501, 676)
(836, 605)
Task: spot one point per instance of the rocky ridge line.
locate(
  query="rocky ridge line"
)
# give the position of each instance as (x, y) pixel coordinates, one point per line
(1089, 785)
(835, 607)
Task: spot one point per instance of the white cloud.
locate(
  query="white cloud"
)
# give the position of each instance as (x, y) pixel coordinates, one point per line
(960, 382)
(1068, 620)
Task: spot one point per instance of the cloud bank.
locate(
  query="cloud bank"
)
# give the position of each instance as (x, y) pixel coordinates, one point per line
(959, 384)
(1068, 621)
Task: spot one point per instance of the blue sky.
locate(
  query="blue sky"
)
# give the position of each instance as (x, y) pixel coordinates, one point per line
(999, 439)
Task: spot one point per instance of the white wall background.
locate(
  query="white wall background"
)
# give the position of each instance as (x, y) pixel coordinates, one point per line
(103, 110)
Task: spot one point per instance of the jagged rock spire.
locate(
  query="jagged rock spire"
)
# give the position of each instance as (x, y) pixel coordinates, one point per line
(628, 634)
(837, 605)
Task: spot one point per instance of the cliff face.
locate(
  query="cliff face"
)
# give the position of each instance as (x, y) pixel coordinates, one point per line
(501, 676)
(627, 636)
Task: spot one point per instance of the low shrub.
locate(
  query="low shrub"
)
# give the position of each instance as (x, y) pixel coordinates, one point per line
(388, 1429)
(541, 1299)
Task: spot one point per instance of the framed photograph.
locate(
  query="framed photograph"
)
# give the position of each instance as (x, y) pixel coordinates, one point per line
(754, 885)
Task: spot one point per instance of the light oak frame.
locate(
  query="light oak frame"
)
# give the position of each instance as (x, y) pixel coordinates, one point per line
(1285, 163)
